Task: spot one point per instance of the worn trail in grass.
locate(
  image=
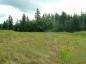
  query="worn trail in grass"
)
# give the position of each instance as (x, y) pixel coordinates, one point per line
(42, 48)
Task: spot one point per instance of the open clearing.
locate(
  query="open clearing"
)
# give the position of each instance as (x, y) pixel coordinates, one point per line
(42, 47)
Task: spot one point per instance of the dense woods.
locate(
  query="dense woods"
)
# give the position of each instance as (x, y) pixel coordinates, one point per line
(47, 22)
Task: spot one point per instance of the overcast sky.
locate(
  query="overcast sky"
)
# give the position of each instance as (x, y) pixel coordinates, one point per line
(17, 7)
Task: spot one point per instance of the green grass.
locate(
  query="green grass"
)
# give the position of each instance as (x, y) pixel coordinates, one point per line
(42, 48)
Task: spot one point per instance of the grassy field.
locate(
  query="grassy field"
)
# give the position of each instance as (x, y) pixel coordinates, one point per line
(42, 48)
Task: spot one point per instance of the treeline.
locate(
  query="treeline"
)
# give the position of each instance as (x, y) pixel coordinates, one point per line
(47, 22)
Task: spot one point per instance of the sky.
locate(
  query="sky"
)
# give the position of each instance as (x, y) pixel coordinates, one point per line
(16, 8)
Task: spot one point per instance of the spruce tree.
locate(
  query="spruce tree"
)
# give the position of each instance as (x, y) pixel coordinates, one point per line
(37, 15)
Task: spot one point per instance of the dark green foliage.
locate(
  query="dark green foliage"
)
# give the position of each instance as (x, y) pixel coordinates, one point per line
(22, 25)
(4, 26)
(47, 22)
(8, 24)
(17, 26)
(37, 14)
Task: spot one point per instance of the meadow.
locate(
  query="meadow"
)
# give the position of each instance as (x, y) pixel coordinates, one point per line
(42, 47)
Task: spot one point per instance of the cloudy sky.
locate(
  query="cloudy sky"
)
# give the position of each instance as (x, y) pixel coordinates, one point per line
(17, 7)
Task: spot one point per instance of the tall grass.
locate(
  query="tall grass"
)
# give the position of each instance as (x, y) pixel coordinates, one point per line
(42, 47)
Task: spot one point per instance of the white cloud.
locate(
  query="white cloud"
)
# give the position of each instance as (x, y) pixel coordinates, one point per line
(9, 10)
(6, 10)
(69, 6)
(45, 6)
